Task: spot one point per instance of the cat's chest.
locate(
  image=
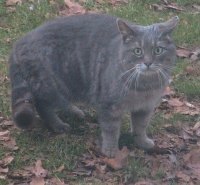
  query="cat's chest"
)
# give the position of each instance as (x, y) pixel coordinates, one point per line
(141, 100)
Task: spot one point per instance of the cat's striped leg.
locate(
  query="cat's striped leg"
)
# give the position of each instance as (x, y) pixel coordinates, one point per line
(140, 121)
(110, 131)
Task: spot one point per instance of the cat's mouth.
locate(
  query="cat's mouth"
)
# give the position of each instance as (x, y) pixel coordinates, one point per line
(144, 78)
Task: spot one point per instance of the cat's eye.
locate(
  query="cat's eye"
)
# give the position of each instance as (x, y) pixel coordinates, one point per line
(158, 50)
(137, 52)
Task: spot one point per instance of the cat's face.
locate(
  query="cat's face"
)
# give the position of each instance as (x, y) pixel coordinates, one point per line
(148, 54)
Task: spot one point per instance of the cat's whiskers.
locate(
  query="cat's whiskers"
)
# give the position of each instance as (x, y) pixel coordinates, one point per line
(132, 77)
(128, 83)
(163, 74)
(159, 78)
(137, 79)
(123, 74)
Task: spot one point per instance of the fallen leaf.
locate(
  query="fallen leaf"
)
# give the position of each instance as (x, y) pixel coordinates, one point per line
(189, 69)
(183, 52)
(187, 111)
(182, 177)
(195, 55)
(119, 161)
(13, 2)
(197, 7)
(11, 144)
(6, 161)
(3, 170)
(174, 6)
(38, 170)
(4, 133)
(21, 174)
(168, 91)
(60, 169)
(196, 126)
(2, 176)
(118, 2)
(189, 105)
(37, 181)
(73, 8)
(175, 102)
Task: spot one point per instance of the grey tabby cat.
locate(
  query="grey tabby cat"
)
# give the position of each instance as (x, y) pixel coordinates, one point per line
(112, 64)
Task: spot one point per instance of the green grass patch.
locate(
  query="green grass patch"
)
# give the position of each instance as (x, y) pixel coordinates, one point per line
(54, 151)
(136, 169)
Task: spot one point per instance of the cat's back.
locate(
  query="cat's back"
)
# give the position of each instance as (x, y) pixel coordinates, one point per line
(85, 27)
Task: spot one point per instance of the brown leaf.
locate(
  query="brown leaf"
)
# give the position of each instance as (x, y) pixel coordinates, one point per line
(175, 102)
(168, 91)
(2, 176)
(4, 133)
(60, 169)
(174, 6)
(182, 177)
(119, 161)
(196, 126)
(197, 7)
(21, 174)
(183, 52)
(187, 111)
(3, 170)
(73, 8)
(13, 2)
(118, 2)
(38, 170)
(11, 144)
(6, 161)
(189, 69)
(195, 55)
(37, 181)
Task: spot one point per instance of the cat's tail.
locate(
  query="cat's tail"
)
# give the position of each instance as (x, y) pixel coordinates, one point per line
(23, 110)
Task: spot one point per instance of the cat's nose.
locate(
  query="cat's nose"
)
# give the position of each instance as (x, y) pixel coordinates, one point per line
(148, 64)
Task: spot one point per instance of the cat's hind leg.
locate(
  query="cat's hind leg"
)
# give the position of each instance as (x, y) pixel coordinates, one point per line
(51, 119)
(140, 121)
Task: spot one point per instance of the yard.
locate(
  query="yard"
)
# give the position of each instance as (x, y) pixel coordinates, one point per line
(38, 157)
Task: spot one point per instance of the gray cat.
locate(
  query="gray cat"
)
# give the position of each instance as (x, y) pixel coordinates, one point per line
(112, 64)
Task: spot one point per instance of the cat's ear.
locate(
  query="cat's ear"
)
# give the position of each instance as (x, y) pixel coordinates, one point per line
(125, 30)
(167, 27)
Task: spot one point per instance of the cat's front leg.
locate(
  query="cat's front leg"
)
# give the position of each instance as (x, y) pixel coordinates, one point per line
(140, 121)
(110, 131)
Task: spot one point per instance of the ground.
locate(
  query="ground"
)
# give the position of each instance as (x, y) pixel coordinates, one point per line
(37, 157)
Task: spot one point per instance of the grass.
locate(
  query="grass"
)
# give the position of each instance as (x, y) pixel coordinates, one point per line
(66, 149)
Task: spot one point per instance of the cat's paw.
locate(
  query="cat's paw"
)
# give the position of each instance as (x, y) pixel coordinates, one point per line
(144, 142)
(109, 151)
(60, 128)
(78, 112)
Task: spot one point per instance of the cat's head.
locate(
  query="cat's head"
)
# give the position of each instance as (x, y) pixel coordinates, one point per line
(148, 54)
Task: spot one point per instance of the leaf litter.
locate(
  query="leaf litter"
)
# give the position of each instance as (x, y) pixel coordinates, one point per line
(181, 162)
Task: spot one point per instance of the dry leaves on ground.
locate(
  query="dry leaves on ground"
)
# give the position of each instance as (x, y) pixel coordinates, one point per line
(178, 105)
(117, 2)
(120, 159)
(183, 52)
(39, 174)
(73, 8)
(13, 2)
(166, 5)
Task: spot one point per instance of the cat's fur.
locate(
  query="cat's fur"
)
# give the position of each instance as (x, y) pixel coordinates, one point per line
(92, 58)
